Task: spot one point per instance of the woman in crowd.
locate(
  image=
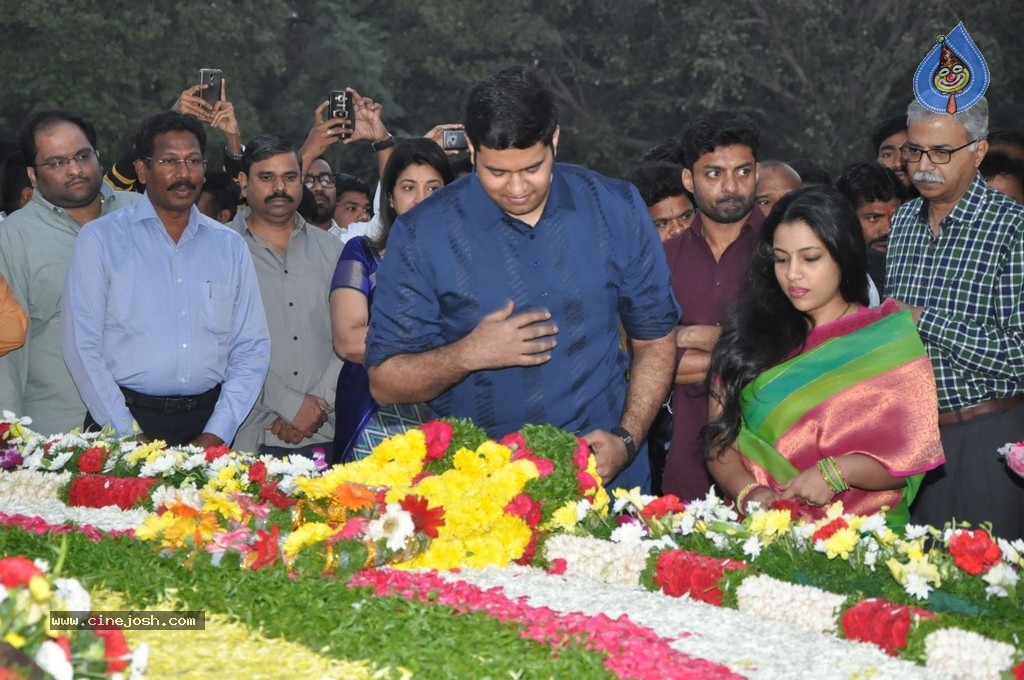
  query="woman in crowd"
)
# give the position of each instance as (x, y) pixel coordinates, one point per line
(416, 168)
(816, 397)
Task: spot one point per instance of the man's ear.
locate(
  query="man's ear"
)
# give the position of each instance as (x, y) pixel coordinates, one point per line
(31, 176)
(979, 153)
(688, 179)
(141, 170)
(26, 195)
(554, 142)
(243, 183)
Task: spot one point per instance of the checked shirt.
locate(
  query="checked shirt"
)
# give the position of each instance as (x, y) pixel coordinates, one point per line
(969, 279)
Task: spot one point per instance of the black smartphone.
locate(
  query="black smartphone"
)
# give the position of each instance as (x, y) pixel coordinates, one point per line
(341, 107)
(454, 140)
(212, 78)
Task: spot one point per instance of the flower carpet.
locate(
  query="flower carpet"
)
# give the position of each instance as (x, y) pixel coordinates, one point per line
(448, 555)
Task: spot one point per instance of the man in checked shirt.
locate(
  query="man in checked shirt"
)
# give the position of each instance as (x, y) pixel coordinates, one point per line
(956, 259)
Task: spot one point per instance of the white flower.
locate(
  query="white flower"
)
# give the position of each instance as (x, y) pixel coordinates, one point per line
(1001, 579)
(806, 607)
(166, 496)
(1012, 551)
(955, 653)
(752, 547)
(687, 523)
(50, 657)
(872, 524)
(582, 509)
(720, 541)
(912, 531)
(139, 662)
(42, 565)
(917, 586)
(163, 464)
(3, 593)
(630, 533)
(193, 461)
(870, 554)
(394, 526)
(73, 595)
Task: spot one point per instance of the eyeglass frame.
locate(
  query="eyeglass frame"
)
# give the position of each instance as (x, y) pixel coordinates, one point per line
(60, 162)
(906, 149)
(190, 164)
(309, 181)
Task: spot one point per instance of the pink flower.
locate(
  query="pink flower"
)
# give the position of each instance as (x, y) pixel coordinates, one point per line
(438, 434)
(236, 539)
(1014, 454)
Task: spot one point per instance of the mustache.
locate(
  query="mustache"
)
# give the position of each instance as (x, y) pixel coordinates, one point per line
(279, 194)
(730, 198)
(879, 240)
(182, 183)
(925, 176)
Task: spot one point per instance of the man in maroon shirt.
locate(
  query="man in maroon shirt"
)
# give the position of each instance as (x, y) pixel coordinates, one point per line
(708, 263)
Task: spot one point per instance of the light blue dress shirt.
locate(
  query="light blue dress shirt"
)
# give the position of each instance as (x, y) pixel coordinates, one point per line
(164, 318)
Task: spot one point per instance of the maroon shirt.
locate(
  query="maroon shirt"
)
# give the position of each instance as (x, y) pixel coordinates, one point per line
(706, 290)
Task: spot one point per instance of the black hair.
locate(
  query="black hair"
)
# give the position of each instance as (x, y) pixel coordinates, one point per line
(413, 151)
(1006, 136)
(40, 120)
(344, 182)
(13, 180)
(264, 146)
(463, 165)
(887, 129)
(166, 121)
(510, 109)
(1001, 163)
(870, 181)
(658, 180)
(667, 150)
(718, 129)
(810, 172)
(765, 327)
(224, 191)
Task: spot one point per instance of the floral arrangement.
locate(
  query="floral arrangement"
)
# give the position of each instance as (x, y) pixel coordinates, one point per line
(29, 591)
(1013, 454)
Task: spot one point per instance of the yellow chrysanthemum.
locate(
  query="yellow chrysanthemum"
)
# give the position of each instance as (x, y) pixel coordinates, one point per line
(14, 640)
(40, 588)
(770, 523)
(841, 543)
(600, 502)
(222, 504)
(564, 518)
(147, 452)
(305, 535)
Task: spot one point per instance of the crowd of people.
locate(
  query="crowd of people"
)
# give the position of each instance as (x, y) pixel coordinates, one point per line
(715, 319)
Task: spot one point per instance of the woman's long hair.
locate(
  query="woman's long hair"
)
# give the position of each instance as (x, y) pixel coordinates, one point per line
(765, 327)
(412, 151)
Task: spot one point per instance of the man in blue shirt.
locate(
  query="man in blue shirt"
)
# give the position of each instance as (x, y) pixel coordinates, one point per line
(501, 297)
(164, 321)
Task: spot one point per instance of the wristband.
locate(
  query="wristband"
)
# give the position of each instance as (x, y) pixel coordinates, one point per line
(627, 439)
(234, 157)
(385, 143)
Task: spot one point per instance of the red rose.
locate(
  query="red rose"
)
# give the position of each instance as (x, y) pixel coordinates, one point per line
(258, 472)
(973, 551)
(661, 506)
(17, 571)
(92, 460)
(439, 436)
(115, 649)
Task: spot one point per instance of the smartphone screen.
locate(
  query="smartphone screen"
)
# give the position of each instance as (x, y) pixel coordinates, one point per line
(211, 77)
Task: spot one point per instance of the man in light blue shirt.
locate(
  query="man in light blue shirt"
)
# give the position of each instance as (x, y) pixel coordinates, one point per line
(165, 325)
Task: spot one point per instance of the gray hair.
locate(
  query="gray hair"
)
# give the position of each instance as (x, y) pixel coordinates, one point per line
(974, 119)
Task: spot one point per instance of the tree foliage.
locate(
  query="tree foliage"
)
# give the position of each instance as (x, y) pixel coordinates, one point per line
(818, 75)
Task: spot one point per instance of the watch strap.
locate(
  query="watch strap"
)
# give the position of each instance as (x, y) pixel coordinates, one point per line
(627, 439)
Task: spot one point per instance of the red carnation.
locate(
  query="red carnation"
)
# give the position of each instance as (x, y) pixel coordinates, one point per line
(92, 460)
(661, 506)
(544, 466)
(99, 491)
(529, 552)
(258, 472)
(1018, 671)
(682, 572)
(515, 441)
(215, 452)
(557, 566)
(581, 456)
(5, 428)
(586, 481)
(973, 551)
(115, 649)
(265, 550)
(824, 533)
(526, 507)
(882, 623)
(439, 436)
(270, 492)
(17, 571)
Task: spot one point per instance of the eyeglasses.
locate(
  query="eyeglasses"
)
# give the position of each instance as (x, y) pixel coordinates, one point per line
(325, 180)
(81, 158)
(189, 164)
(937, 156)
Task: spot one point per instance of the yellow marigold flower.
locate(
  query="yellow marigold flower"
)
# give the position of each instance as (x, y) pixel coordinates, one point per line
(15, 640)
(215, 502)
(307, 534)
(321, 487)
(40, 588)
(841, 543)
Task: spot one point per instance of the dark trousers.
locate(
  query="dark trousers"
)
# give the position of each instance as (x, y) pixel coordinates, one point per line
(975, 485)
(176, 427)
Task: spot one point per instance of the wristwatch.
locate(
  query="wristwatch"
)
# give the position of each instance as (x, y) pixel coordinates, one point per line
(385, 143)
(627, 439)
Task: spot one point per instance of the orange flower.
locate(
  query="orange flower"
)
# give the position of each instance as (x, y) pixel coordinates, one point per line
(355, 496)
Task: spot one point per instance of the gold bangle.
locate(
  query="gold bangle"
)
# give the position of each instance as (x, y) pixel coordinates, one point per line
(741, 497)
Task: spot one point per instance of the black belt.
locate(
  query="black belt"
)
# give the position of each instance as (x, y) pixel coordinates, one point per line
(983, 409)
(178, 404)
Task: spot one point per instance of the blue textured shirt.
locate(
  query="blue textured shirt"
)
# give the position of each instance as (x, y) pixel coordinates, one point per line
(593, 260)
(164, 318)
(970, 281)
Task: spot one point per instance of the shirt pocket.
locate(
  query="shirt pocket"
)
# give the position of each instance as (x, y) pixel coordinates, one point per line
(217, 307)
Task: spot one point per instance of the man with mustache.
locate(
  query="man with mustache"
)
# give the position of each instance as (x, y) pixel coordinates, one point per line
(875, 192)
(165, 335)
(956, 260)
(294, 264)
(708, 262)
(59, 149)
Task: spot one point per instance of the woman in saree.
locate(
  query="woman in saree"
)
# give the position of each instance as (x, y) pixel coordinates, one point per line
(417, 167)
(816, 397)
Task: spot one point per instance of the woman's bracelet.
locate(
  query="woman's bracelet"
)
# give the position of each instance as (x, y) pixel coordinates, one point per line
(832, 474)
(741, 497)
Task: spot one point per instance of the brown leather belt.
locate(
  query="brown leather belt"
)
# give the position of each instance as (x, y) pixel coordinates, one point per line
(983, 409)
